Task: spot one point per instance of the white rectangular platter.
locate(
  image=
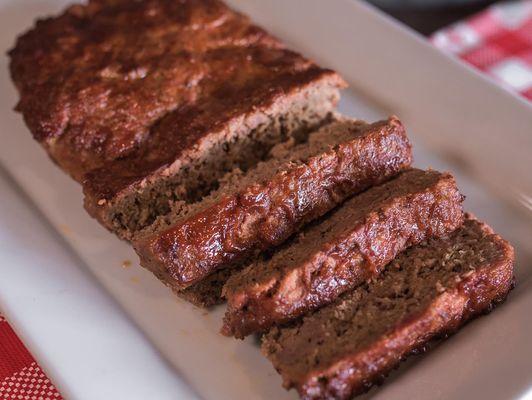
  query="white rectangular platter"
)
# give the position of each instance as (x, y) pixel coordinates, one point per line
(103, 331)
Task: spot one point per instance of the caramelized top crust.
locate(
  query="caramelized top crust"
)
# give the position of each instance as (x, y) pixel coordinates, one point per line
(126, 87)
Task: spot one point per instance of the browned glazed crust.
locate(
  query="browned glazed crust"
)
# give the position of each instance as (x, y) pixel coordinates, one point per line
(353, 373)
(352, 249)
(122, 88)
(267, 213)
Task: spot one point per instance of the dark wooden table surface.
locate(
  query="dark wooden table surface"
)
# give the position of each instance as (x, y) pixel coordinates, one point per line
(427, 19)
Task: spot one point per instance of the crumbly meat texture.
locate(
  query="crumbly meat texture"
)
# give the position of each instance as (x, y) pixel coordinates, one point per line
(427, 291)
(241, 145)
(261, 209)
(342, 251)
(207, 293)
(125, 94)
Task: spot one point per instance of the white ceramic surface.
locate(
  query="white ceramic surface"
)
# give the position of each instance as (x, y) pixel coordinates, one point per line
(57, 287)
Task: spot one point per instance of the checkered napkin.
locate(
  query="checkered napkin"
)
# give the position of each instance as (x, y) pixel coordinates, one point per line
(20, 376)
(498, 41)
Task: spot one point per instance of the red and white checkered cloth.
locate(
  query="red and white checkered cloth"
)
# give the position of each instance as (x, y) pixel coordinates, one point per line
(498, 41)
(20, 376)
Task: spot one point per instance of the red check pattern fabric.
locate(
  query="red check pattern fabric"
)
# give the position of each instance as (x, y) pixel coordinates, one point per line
(20, 376)
(497, 41)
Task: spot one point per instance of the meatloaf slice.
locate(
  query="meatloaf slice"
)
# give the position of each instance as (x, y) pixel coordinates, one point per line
(427, 291)
(147, 102)
(342, 251)
(263, 207)
(207, 292)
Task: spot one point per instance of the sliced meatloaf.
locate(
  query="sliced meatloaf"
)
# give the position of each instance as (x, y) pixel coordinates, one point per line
(207, 292)
(260, 209)
(149, 102)
(429, 290)
(342, 251)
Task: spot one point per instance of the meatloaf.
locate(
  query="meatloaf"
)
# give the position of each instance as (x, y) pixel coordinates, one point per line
(260, 209)
(149, 102)
(208, 292)
(429, 290)
(342, 251)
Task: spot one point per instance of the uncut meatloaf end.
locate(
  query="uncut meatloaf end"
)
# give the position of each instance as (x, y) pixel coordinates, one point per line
(127, 202)
(428, 291)
(258, 210)
(133, 100)
(342, 251)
